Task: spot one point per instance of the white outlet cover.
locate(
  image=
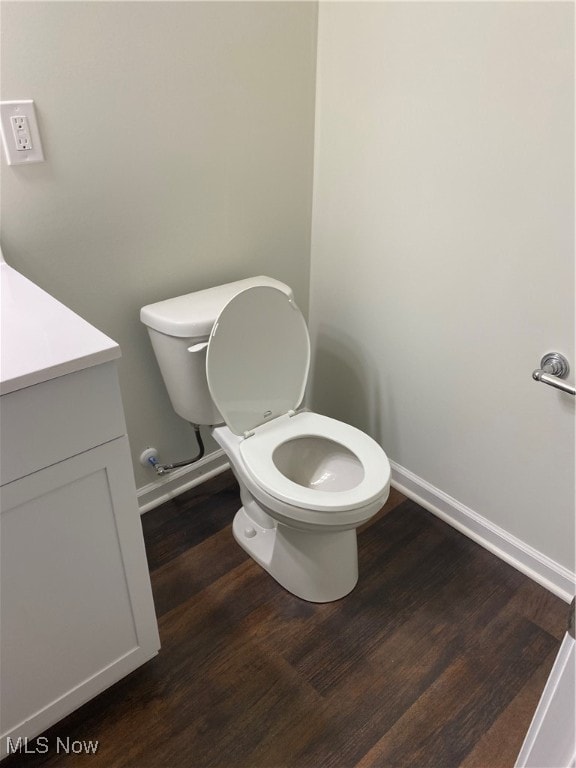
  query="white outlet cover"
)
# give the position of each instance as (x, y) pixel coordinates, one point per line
(15, 156)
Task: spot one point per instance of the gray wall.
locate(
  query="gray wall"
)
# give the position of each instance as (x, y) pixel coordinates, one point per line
(443, 248)
(178, 140)
(179, 145)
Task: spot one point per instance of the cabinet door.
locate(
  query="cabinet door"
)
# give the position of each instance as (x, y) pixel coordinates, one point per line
(551, 738)
(75, 598)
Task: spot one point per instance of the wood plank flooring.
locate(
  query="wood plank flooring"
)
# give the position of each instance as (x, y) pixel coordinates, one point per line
(437, 658)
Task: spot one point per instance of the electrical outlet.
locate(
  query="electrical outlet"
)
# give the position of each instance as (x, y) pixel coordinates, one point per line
(21, 132)
(23, 143)
(20, 135)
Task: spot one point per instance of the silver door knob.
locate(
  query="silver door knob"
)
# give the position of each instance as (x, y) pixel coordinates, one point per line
(553, 369)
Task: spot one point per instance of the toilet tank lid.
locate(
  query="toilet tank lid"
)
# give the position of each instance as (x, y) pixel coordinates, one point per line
(194, 314)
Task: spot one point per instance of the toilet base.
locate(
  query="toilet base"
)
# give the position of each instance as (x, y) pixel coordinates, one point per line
(316, 566)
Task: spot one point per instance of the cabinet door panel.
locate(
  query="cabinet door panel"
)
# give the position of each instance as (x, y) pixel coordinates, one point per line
(74, 587)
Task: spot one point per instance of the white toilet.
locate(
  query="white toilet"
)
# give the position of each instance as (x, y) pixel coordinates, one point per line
(236, 357)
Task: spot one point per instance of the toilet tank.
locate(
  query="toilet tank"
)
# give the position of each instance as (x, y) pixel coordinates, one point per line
(179, 330)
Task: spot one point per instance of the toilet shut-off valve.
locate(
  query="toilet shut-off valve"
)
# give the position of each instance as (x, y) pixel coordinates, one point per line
(149, 457)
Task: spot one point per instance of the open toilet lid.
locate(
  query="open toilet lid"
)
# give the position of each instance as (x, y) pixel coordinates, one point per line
(258, 358)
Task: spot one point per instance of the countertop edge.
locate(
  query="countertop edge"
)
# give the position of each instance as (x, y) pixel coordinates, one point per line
(53, 372)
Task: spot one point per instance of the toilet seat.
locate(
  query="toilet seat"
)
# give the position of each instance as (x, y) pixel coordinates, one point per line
(257, 453)
(257, 365)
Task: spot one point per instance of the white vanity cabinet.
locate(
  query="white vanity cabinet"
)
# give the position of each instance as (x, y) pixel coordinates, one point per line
(76, 609)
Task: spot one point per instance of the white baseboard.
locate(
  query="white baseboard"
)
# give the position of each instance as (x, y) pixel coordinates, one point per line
(180, 480)
(507, 547)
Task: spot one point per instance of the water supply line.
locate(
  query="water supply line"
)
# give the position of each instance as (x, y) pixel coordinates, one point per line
(163, 469)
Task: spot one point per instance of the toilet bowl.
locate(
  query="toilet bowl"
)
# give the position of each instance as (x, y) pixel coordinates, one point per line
(237, 357)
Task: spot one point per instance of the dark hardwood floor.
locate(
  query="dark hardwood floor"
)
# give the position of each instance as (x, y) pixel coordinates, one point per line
(437, 658)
